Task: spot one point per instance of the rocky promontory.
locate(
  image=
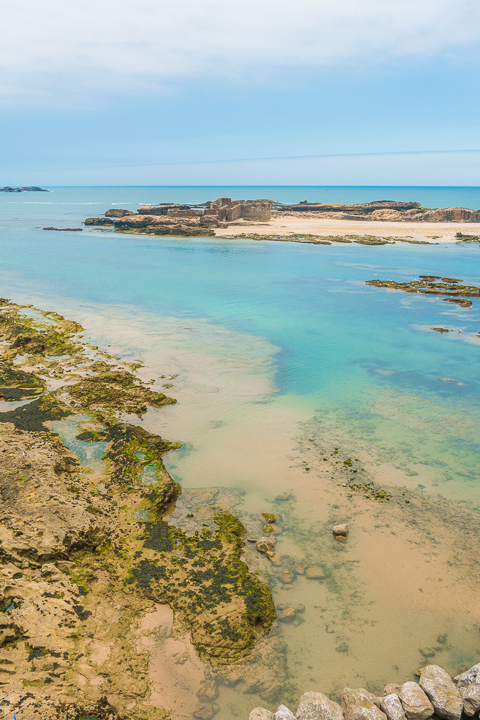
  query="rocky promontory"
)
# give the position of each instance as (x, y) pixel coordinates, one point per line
(435, 695)
(85, 554)
(385, 210)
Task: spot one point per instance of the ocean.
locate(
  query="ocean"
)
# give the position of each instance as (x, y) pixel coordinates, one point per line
(281, 356)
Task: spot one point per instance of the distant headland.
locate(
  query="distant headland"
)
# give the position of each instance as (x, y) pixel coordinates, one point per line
(29, 188)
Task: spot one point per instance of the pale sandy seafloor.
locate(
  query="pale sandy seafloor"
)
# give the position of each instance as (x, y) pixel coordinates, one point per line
(403, 588)
(295, 223)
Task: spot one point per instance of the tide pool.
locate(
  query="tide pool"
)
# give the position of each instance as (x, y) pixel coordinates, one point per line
(278, 353)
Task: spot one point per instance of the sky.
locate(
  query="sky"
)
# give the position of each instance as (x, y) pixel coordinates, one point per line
(244, 92)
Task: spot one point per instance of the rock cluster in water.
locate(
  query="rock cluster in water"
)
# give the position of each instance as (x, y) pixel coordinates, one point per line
(29, 188)
(451, 288)
(184, 220)
(383, 210)
(436, 693)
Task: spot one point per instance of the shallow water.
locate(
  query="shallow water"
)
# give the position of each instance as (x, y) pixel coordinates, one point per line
(276, 354)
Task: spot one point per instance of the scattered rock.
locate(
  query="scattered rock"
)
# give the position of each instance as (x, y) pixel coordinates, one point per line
(260, 714)
(361, 705)
(287, 577)
(204, 712)
(416, 704)
(300, 569)
(468, 684)
(274, 557)
(268, 517)
(392, 707)
(265, 544)
(443, 694)
(315, 572)
(64, 229)
(283, 713)
(286, 614)
(340, 530)
(316, 706)
(440, 329)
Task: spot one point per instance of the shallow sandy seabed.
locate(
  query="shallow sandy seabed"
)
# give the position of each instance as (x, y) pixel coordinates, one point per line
(443, 232)
(399, 591)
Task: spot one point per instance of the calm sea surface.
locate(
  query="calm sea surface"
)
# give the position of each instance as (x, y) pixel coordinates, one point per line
(282, 353)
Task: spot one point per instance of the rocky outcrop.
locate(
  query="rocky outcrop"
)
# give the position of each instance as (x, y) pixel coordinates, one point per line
(118, 212)
(361, 705)
(316, 706)
(468, 684)
(28, 188)
(392, 707)
(416, 704)
(443, 694)
(386, 210)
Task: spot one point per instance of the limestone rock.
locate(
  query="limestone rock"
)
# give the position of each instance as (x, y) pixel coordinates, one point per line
(283, 713)
(99, 221)
(286, 614)
(274, 557)
(392, 707)
(361, 705)
(315, 572)
(260, 714)
(316, 706)
(118, 212)
(341, 530)
(287, 577)
(265, 544)
(416, 704)
(443, 694)
(468, 684)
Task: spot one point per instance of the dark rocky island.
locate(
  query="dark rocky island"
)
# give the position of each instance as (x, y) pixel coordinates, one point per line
(29, 188)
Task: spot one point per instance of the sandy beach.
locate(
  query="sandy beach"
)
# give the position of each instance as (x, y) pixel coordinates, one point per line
(293, 223)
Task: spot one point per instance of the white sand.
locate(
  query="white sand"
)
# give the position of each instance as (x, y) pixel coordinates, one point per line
(286, 225)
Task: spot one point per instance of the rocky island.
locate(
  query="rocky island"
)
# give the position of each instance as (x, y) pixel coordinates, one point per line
(29, 188)
(377, 223)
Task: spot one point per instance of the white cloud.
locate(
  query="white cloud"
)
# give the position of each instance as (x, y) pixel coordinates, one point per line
(59, 48)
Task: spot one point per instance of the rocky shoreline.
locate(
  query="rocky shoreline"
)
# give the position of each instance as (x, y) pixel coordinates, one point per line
(84, 557)
(435, 695)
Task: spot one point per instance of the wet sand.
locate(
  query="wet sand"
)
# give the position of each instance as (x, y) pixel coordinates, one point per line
(295, 223)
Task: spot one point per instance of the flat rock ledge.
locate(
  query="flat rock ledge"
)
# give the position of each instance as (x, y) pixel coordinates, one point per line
(435, 694)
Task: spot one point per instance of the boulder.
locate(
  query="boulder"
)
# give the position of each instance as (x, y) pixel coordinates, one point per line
(265, 544)
(274, 557)
(286, 577)
(283, 713)
(286, 614)
(260, 714)
(118, 212)
(443, 694)
(361, 705)
(392, 707)
(468, 684)
(416, 704)
(99, 221)
(341, 530)
(316, 706)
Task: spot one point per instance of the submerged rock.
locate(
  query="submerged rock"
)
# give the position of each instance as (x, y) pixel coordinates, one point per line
(316, 706)
(265, 544)
(392, 707)
(315, 572)
(416, 704)
(286, 614)
(361, 705)
(340, 530)
(443, 694)
(468, 684)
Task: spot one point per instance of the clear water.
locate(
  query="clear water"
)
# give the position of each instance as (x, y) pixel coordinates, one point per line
(283, 353)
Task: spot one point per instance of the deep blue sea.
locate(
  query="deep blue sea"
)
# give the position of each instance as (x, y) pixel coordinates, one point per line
(288, 333)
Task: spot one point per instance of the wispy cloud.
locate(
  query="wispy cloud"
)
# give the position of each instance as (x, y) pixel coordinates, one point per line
(55, 51)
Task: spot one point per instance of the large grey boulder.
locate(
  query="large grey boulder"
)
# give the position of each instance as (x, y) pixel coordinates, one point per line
(361, 705)
(416, 704)
(392, 707)
(443, 694)
(260, 714)
(316, 706)
(283, 713)
(468, 684)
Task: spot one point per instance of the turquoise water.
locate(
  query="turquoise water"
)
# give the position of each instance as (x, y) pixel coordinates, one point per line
(361, 365)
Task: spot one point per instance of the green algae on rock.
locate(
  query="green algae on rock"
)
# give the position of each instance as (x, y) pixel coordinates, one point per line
(83, 563)
(451, 288)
